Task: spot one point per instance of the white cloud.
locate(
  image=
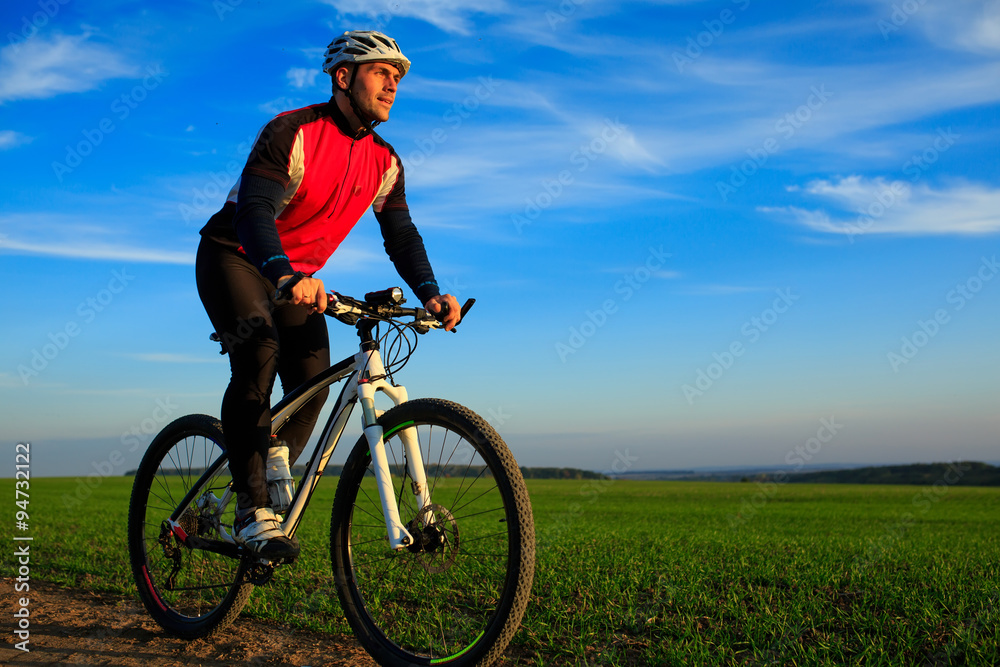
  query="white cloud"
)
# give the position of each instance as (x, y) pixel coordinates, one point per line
(12, 139)
(750, 103)
(74, 236)
(967, 25)
(876, 206)
(279, 105)
(448, 15)
(45, 67)
(98, 251)
(985, 33)
(301, 77)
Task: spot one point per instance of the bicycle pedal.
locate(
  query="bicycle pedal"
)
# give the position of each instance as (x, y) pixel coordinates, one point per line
(259, 574)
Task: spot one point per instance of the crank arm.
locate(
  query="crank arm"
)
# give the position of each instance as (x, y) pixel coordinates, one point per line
(228, 549)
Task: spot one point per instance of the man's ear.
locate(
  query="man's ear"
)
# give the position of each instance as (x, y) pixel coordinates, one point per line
(342, 77)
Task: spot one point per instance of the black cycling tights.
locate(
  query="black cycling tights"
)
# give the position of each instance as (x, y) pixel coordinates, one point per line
(262, 339)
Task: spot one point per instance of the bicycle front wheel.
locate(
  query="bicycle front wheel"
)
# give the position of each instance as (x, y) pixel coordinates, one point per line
(184, 476)
(457, 595)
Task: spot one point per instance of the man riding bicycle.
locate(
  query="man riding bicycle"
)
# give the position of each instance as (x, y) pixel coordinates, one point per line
(310, 176)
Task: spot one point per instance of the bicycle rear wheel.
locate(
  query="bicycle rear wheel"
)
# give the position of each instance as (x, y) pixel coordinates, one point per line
(190, 592)
(457, 595)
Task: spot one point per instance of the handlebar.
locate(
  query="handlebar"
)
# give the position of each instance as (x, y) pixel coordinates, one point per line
(380, 305)
(349, 310)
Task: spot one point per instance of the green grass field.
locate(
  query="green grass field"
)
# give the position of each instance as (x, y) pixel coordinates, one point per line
(663, 573)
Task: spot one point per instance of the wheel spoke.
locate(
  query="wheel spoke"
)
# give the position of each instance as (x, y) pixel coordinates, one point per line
(188, 591)
(447, 593)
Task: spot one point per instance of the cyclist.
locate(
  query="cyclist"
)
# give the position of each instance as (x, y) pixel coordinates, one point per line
(310, 176)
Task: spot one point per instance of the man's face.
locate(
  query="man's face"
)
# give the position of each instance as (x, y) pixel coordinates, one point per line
(375, 89)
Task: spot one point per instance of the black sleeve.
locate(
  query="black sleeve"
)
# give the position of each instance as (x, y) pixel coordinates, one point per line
(254, 223)
(406, 250)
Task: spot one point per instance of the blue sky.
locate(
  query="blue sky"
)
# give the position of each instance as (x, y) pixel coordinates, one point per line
(699, 233)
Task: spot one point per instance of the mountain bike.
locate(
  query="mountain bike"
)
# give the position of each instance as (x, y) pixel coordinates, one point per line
(431, 531)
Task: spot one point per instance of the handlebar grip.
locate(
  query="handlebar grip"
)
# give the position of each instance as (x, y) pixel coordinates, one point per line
(461, 314)
(284, 292)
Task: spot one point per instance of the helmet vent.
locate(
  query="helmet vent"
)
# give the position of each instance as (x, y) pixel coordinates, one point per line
(364, 46)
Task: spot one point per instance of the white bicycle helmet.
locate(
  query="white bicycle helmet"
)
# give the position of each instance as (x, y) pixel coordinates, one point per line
(364, 46)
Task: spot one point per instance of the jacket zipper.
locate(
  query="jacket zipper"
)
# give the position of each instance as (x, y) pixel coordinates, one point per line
(347, 172)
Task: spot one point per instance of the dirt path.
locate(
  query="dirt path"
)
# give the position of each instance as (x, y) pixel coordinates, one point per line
(77, 627)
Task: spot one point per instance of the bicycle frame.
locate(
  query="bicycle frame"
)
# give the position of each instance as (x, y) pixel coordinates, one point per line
(366, 377)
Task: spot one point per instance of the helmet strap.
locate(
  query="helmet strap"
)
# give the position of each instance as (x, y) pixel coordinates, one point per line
(354, 106)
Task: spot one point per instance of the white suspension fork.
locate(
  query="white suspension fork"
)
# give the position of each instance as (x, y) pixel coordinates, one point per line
(399, 537)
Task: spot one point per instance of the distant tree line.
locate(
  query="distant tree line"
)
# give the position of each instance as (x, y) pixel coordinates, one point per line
(432, 471)
(560, 473)
(958, 473)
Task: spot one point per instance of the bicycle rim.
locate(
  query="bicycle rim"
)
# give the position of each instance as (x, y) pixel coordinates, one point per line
(459, 596)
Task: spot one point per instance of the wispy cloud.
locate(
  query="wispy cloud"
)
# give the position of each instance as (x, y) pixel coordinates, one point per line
(44, 67)
(729, 101)
(98, 251)
(967, 25)
(78, 236)
(876, 206)
(280, 105)
(301, 77)
(12, 139)
(451, 16)
(812, 108)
